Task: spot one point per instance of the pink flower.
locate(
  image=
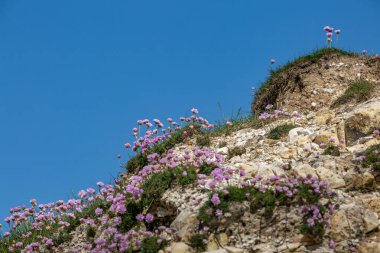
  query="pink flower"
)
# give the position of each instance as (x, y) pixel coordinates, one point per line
(337, 32)
(269, 106)
(100, 184)
(149, 218)
(127, 145)
(215, 199)
(140, 217)
(229, 123)
(218, 213)
(364, 52)
(328, 29)
(329, 34)
(272, 61)
(194, 111)
(98, 211)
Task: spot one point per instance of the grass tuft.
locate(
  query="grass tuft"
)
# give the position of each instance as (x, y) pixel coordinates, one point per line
(372, 157)
(280, 131)
(331, 150)
(358, 91)
(313, 57)
(236, 151)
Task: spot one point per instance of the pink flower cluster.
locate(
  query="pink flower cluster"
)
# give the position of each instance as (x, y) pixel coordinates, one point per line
(271, 114)
(148, 134)
(329, 33)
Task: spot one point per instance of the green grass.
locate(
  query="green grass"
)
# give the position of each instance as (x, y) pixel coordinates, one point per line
(150, 245)
(358, 91)
(196, 242)
(313, 57)
(280, 131)
(203, 140)
(236, 151)
(140, 160)
(372, 157)
(241, 122)
(331, 150)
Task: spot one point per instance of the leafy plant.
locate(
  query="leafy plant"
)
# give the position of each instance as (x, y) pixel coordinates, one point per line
(358, 91)
(203, 140)
(150, 245)
(222, 144)
(280, 131)
(372, 157)
(128, 220)
(197, 242)
(331, 150)
(314, 57)
(236, 151)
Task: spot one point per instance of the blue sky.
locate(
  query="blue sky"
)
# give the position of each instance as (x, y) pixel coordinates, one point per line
(76, 75)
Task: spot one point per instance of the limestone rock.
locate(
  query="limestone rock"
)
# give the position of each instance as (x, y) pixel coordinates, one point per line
(233, 249)
(371, 222)
(185, 223)
(180, 247)
(334, 180)
(264, 248)
(372, 247)
(323, 137)
(362, 120)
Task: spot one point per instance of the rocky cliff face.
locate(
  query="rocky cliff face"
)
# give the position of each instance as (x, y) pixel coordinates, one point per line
(315, 81)
(304, 181)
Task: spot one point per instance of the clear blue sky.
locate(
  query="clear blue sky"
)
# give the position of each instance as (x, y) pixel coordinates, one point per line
(76, 75)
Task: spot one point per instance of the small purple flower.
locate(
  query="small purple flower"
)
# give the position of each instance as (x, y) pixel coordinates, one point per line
(140, 217)
(149, 218)
(98, 211)
(269, 106)
(331, 244)
(215, 199)
(218, 213)
(194, 111)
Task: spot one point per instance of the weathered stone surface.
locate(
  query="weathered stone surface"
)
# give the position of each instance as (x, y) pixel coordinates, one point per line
(369, 247)
(185, 223)
(347, 223)
(362, 120)
(371, 222)
(180, 247)
(335, 180)
(233, 249)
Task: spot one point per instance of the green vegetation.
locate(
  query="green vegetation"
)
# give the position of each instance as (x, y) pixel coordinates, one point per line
(372, 157)
(313, 57)
(91, 232)
(238, 123)
(358, 91)
(266, 200)
(128, 220)
(316, 232)
(150, 245)
(236, 151)
(140, 160)
(280, 131)
(158, 183)
(331, 150)
(206, 169)
(222, 144)
(196, 242)
(203, 140)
